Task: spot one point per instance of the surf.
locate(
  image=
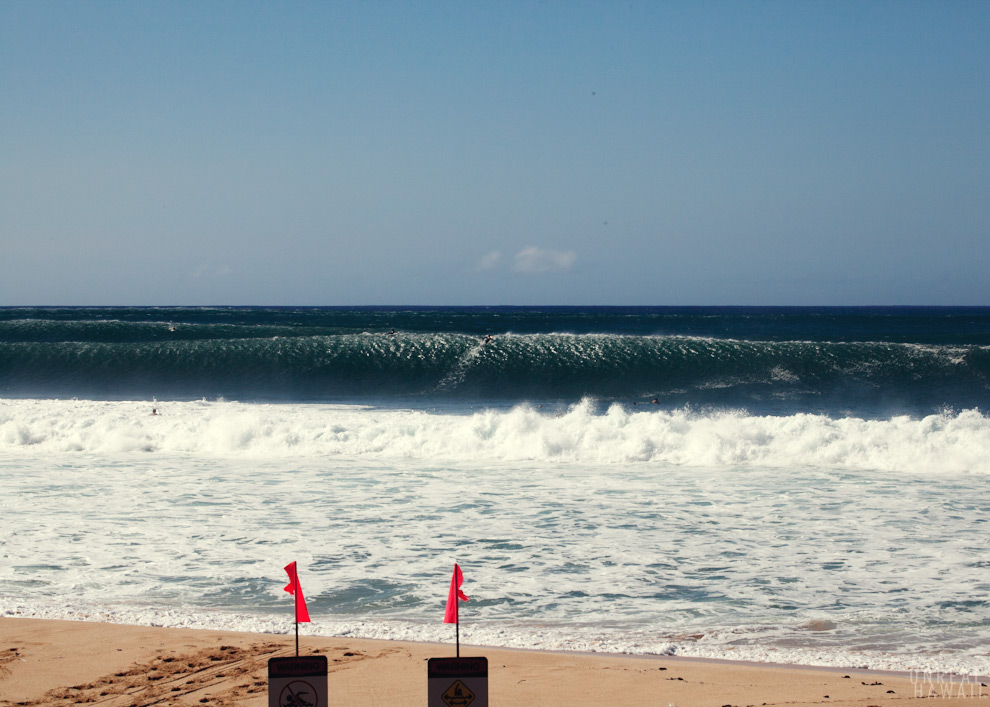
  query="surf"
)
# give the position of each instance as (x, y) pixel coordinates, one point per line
(946, 442)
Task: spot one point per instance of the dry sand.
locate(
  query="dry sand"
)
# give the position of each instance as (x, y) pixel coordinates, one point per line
(69, 663)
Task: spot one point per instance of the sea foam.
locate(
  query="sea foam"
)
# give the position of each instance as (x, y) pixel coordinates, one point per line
(937, 443)
(721, 534)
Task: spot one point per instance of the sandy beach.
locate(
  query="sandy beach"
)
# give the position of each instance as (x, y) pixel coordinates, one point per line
(68, 662)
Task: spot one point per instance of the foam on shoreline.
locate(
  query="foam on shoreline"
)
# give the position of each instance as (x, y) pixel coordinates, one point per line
(518, 638)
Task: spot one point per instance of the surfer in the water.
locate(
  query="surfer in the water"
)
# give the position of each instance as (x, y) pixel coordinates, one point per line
(488, 339)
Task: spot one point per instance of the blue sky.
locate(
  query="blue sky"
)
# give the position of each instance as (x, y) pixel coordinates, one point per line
(338, 153)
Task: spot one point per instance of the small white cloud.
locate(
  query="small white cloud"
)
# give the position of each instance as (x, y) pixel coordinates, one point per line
(534, 260)
(490, 261)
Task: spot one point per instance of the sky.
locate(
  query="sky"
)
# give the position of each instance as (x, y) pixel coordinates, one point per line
(213, 152)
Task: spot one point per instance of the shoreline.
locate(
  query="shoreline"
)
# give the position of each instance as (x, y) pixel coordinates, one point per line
(58, 662)
(877, 662)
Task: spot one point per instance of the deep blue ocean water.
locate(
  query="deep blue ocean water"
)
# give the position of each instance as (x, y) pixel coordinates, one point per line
(875, 361)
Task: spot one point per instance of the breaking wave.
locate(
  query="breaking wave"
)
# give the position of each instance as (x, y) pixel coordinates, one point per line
(583, 433)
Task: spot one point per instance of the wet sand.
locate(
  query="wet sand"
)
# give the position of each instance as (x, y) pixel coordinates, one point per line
(68, 663)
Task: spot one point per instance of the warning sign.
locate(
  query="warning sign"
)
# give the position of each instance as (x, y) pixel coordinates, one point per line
(297, 682)
(298, 693)
(457, 682)
(458, 695)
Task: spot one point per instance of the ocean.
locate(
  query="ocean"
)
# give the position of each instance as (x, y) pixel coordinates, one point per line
(796, 485)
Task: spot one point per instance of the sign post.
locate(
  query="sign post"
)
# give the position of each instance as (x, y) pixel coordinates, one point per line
(457, 682)
(297, 682)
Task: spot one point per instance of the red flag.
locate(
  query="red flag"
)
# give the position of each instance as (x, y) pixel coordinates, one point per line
(302, 613)
(450, 616)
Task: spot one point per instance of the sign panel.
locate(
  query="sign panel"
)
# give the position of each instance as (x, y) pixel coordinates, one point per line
(297, 682)
(457, 682)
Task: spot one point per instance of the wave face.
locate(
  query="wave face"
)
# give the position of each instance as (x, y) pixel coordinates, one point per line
(776, 360)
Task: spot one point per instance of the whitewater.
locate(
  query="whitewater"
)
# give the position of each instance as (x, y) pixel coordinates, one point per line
(803, 538)
(934, 445)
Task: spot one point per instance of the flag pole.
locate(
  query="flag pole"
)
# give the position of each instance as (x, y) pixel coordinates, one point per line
(457, 632)
(295, 608)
